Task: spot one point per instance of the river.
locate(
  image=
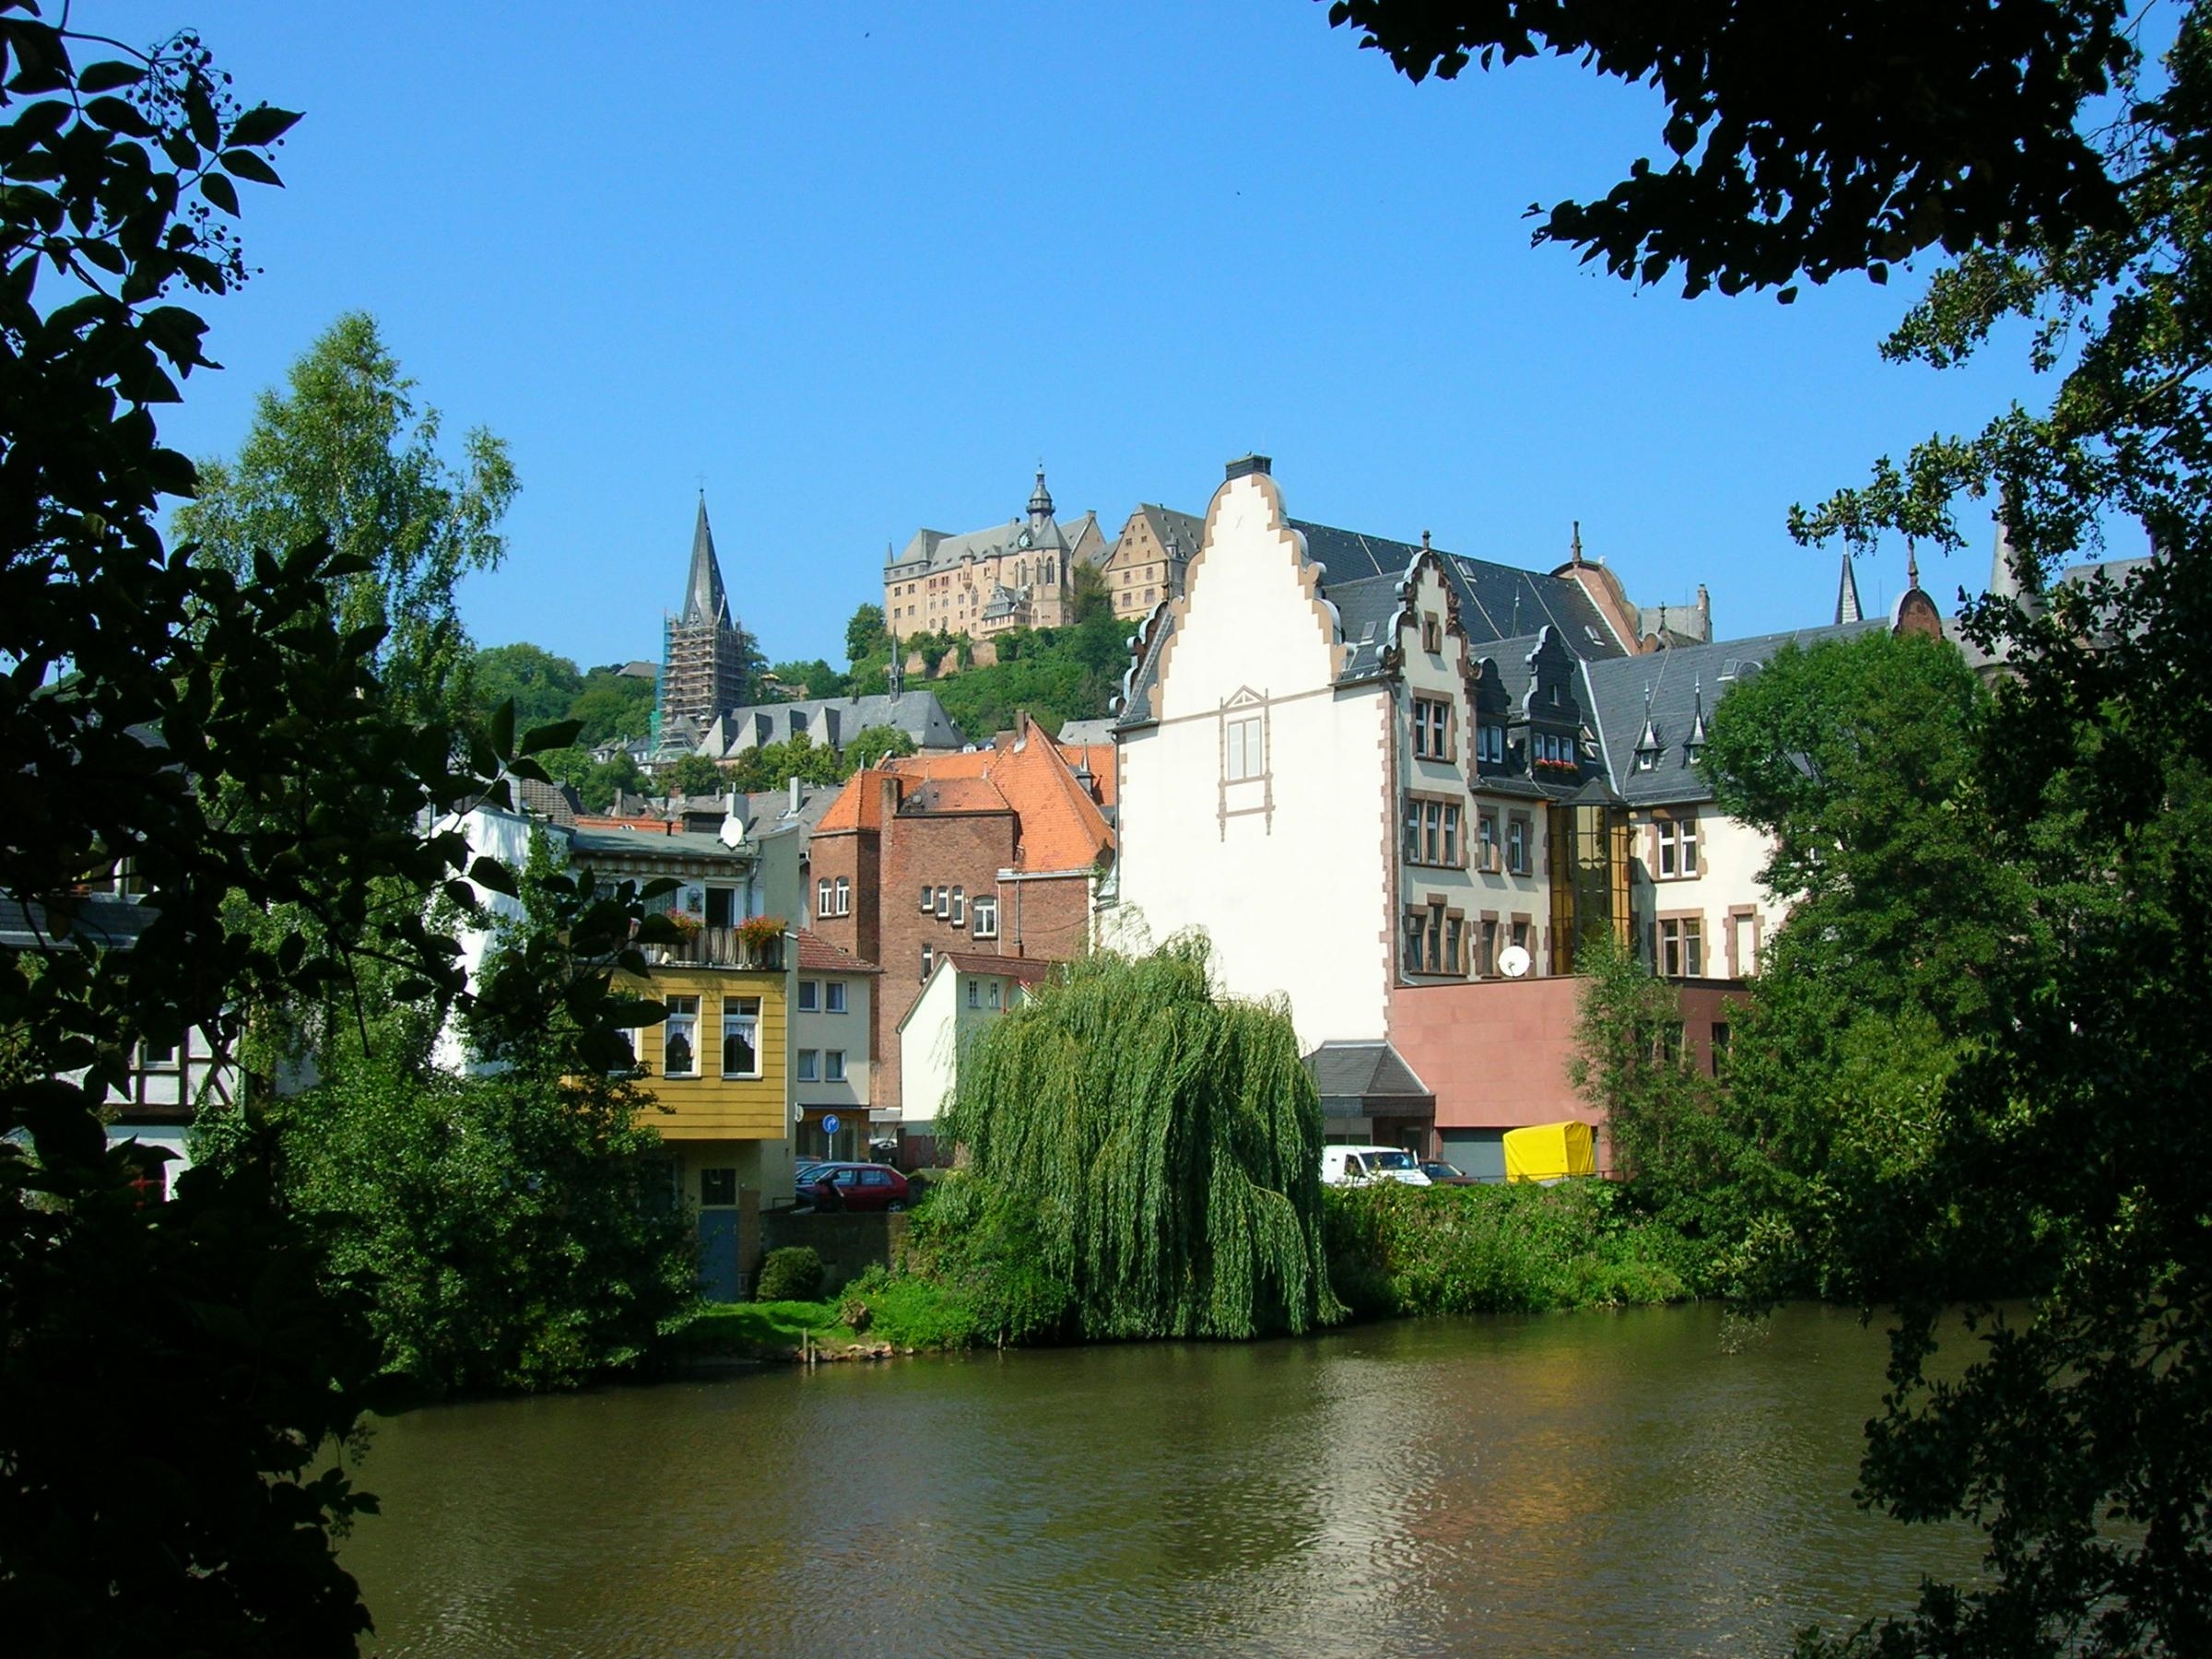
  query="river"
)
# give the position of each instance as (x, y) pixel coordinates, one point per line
(1644, 1482)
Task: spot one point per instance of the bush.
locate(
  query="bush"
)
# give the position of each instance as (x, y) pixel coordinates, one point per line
(1396, 1249)
(792, 1274)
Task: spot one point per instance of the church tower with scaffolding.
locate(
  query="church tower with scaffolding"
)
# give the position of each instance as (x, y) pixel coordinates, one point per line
(703, 655)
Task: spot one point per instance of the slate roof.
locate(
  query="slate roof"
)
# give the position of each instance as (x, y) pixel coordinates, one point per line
(1367, 1079)
(704, 600)
(684, 846)
(934, 550)
(108, 919)
(833, 721)
(1678, 677)
(1498, 606)
(1078, 733)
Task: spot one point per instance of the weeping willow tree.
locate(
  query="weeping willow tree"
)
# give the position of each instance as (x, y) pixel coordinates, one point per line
(1166, 1140)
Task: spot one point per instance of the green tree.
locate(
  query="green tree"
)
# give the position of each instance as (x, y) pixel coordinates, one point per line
(1159, 1143)
(866, 635)
(543, 687)
(212, 1536)
(870, 745)
(2070, 181)
(812, 679)
(345, 455)
(612, 705)
(499, 1226)
(694, 775)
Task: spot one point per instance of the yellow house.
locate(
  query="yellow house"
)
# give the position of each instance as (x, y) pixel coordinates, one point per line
(718, 1069)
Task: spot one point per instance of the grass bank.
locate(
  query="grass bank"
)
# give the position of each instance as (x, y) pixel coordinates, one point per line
(1396, 1249)
(1392, 1251)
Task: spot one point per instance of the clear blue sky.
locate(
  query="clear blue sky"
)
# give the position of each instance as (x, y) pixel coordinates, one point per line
(861, 264)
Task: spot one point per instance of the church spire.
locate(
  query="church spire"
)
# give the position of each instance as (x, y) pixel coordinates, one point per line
(1847, 594)
(1040, 499)
(704, 600)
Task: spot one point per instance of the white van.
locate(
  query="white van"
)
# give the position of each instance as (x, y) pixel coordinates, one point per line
(1358, 1166)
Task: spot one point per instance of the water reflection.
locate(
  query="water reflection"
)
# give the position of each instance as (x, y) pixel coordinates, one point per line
(1565, 1485)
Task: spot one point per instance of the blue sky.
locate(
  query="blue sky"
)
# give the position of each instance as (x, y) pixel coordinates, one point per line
(860, 266)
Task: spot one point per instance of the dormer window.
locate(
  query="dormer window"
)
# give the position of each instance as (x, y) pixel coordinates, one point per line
(1647, 742)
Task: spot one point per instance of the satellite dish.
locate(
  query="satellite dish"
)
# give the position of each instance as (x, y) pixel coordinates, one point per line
(1512, 962)
(732, 834)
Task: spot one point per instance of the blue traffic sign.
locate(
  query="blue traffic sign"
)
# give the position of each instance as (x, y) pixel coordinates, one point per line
(831, 1124)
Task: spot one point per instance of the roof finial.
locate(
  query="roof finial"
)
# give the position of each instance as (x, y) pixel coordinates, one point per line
(1911, 564)
(1424, 541)
(1577, 542)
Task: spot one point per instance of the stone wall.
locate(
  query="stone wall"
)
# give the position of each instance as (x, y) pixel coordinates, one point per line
(848, 1244)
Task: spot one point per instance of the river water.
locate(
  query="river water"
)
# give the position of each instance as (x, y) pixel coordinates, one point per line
(1644, 1482)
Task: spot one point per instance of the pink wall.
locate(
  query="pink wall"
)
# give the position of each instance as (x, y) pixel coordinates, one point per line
(1495, 1052)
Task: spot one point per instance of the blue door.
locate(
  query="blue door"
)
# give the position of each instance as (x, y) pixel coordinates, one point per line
(718, 1256)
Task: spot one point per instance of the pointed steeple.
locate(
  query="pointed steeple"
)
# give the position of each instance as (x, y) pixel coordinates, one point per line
(1648, 748)
(1695, 744)
(1040, 499)
(1847, 594)
(704, 600)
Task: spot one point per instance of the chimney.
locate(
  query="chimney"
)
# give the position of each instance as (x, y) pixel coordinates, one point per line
(794, 796)
(1704, 613)
(1244, 465)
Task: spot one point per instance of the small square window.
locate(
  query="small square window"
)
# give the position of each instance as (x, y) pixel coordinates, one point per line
(717, 1188)
(808, 1065)
(833, 1066)
(809, 996)
(833, 996)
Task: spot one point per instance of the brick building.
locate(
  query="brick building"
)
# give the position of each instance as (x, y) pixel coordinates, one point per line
(993, 851)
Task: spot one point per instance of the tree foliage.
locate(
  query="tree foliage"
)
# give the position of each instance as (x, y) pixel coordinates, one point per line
(1161, 1144)
(544, 688)
(345, 455)
(867, 635)
(2071, 180)
(1808, 141)
(220, 723)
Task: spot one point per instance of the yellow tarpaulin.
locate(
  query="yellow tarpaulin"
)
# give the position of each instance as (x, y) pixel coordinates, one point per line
(1550, 1152)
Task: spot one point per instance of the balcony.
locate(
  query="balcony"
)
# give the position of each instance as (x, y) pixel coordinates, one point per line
(748, 947)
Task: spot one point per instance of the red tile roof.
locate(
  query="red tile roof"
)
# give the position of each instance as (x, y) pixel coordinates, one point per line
(1029, 971)
(817, 954)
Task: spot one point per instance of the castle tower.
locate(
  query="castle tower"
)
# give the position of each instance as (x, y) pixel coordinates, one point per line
(703, 656)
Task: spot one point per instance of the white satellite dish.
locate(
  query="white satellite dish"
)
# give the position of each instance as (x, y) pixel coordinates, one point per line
(1512, 962)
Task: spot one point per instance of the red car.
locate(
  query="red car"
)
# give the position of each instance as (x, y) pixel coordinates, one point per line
(855, 1186)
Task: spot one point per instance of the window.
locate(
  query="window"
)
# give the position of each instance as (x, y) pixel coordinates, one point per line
(1516, 846)
(721, 902)
(1413, 833)
(844, 895)
(1451, 832)
(809, 1064)
(1431, 728)
(1682, 946)
(741, 1037)
(824, 903)
(991, 995)
(1244, 749)
(1485, 842)
(986, 917)
(1454, 930)
(833, 996)
(960, 907)
(679, 1038)
(929, 898)
(1490, 745)
(944, 904)
(717, 1188)
(1521, 934)
(1677, 847)
(809, 996)
(975, 994)
(156, 1056)
(1432, 635)
(929, 961)
(1417, 927)
(1720, 1045)
(1486, 964)
(833, 1066)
